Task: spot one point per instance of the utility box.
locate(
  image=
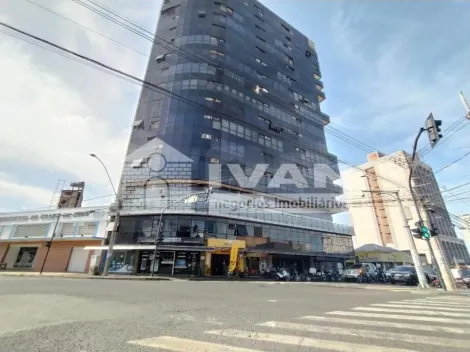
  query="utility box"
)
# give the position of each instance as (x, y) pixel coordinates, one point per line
(94, 265)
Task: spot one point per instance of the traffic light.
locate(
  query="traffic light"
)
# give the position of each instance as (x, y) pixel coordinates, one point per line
(434, 128)
(421, 231)
(426, 233)
(433, 230)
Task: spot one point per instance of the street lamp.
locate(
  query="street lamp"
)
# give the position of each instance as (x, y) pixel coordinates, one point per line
(423, 283)
(190, 198)
(112, 240)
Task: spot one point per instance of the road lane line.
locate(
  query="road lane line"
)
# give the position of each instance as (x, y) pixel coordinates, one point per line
(443, 303)
(429, 340)
(420, 306)
(389, 324)
(402, 317)
(300, 341)
(185, 345)
(431, 303)
(411, 311)
(457, 299)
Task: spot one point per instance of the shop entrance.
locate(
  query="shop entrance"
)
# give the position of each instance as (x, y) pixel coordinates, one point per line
(219, 264)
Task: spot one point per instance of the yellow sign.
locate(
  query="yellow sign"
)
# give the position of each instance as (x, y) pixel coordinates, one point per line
(375, 256)
(233, 258)
(216, 242)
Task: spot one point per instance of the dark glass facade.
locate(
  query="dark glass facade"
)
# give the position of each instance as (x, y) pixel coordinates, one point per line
(242, 87)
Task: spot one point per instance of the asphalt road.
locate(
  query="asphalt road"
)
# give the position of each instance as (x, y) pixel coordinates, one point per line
(75, 315)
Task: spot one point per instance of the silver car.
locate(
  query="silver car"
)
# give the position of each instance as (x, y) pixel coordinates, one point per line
(353, 272)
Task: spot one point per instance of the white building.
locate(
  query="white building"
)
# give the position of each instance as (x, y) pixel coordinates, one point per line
(377, 218)
(466, 221)
(25, 236)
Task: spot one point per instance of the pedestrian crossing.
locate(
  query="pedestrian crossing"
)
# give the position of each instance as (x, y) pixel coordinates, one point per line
(412, 325)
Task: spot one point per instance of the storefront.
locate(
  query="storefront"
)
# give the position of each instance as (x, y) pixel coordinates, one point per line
(51, 240)
(217, 262)
(382, 256)
(170, 260)
(285, 255)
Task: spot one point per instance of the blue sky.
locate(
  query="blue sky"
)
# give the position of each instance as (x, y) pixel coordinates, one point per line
(385, 66)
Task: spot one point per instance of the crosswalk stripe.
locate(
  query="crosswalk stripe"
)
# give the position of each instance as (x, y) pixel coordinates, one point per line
(300, 341)
(429, 340)
(185, 345)
(419, 306)
(390, 324)
(443, 302)
(401, 317)
(429, 303)
(411, 311)
(447, 298)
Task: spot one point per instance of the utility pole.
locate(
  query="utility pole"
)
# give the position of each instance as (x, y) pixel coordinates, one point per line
(433, 129)
(465, 104)
(118, 209)
(190, 198)
(423, 282)
(49, 244)
(440, 258)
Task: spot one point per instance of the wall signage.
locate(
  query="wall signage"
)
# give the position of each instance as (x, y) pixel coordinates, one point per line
(46, 216)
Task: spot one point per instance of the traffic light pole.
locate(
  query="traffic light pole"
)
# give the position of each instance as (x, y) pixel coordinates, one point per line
(446, 274)
(415, 201)
(423, 282)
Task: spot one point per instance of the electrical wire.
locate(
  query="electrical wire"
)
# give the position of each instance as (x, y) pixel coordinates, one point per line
(333, 131)
(133, 79)
(452, 163)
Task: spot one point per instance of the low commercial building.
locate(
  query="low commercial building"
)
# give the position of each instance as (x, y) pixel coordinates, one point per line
(384, 257)
(51, 240)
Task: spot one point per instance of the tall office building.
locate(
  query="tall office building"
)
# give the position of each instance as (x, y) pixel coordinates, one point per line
(376, 216)
(234, 90)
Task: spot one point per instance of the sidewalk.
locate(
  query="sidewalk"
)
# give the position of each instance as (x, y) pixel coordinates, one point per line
(83, 276)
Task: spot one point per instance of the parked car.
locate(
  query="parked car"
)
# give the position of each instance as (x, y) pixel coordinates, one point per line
(353, 273)
(461, 277)
(404, 274)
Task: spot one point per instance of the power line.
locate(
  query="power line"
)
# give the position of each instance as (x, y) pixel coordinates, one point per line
(452, 163)
(49, 208)
(169, 46)
(87, 28)
(453, 129)
(120, 74)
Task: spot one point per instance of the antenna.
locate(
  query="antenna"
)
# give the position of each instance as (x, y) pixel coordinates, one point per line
(464, 102)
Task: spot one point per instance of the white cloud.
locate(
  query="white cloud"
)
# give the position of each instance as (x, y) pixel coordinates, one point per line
(47, 123)
(27, 194)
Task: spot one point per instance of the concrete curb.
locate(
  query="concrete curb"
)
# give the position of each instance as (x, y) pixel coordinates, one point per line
(84, 276)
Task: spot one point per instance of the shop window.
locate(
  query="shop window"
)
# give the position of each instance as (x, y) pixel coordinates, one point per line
(184, 227)
(25, 257)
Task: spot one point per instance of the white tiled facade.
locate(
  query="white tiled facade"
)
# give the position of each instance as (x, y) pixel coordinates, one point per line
(377, 217)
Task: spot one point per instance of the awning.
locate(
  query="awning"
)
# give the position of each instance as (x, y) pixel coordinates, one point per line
(125, 247)
(286, 252)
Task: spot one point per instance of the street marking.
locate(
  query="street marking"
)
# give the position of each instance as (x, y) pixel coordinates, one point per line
(185, 345)
(419, 306)
(411, 311)
(444, 303)
(272, 300)
(389, 324)
(367, 334)
(402, 317)
(300, 341)
(451, 298)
